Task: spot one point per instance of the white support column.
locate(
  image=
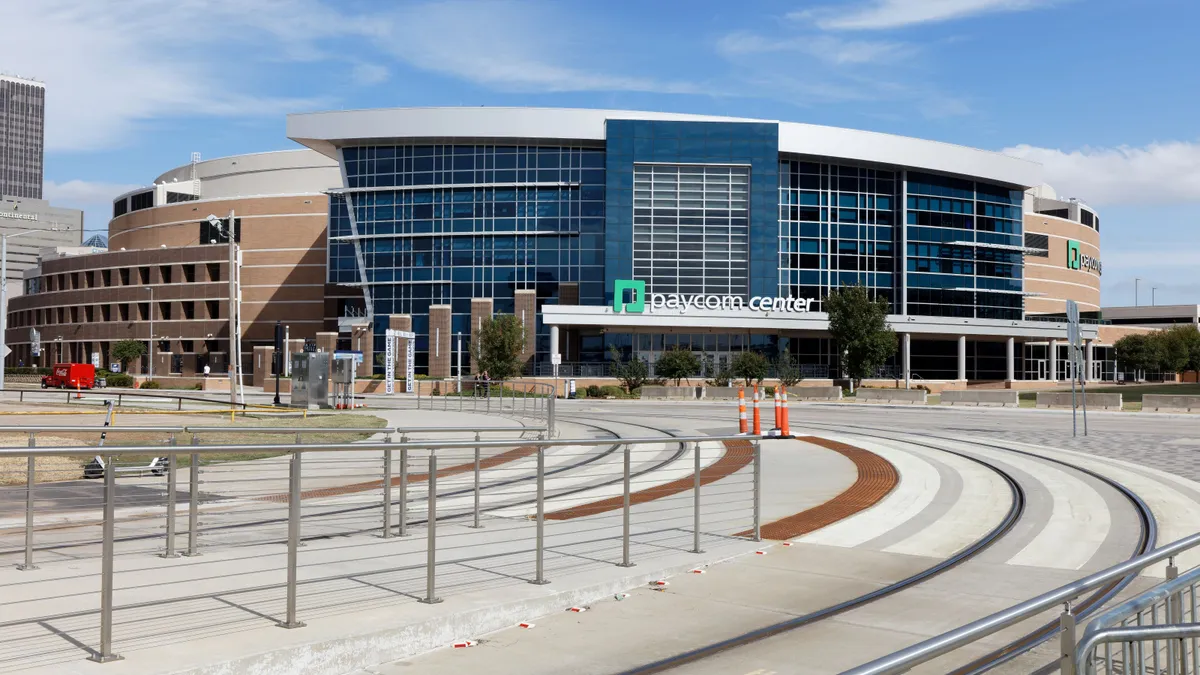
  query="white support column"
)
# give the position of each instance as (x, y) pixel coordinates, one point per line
(962, 357)
(1010, 359)
(1087, 357)
(1052, 361)
(553, 340)
(906, 358)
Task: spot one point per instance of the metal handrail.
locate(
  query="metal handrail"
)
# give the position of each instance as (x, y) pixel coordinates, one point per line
(1180, 631)
(168, 451)
(1103, 628)
(67, 428)
(260, 430)
(927, 650)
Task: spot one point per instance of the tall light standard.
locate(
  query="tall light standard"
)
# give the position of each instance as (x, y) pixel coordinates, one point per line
(1136, 281)
(151, 289)
(235, 329)
(4, 291)
(1152, 289)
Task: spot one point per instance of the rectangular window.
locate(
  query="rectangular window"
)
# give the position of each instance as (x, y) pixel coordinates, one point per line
(165, 272)
(189, 274)
(1037, 241)
(144, 275)
(106, 312)
(188, 307)
(124, 276)
(123, 308)
(214, 309)
(164, 311)
(214, 271)
(142, 200)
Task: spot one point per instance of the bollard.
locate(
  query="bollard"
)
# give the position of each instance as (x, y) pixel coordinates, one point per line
(293, 542)
(757, 416)
(30, 479)
(106, 654)
(757, 490)
(194, 503)
(172, 462)
(696, 500)
(431, 531)
(403, 496)
(1066, 641)
(743, 427)
(477, 524)
(786, 429)
(625, 516)
(539, 573)
(387, 490)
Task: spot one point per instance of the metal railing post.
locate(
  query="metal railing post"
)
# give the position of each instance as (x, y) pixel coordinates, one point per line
(550, 403)
(477, 524)
(194, 503)
(403, 496)
(30, 479)
(293, 541)
(106, 654)
(1176, 649)
(1066, 624)
(387, 490)
(625, 562)
(431, 541)
(757, 490)
(540, 573)
(172, 464)
(489, 396)
(696, 500)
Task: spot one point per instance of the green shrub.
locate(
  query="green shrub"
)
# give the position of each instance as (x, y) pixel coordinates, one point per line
(150, 384)
(583, 393)
(26, 370)
(768, 392)
(593, 391)
(119, 380)
(611, 390)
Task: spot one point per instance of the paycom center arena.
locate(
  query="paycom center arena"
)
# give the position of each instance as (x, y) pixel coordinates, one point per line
(645, 231)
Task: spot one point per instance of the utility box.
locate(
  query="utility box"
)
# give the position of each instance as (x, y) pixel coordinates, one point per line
(343, 370)
(310, 380)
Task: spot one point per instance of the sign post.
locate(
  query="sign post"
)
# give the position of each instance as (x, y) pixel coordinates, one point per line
(1075, 338)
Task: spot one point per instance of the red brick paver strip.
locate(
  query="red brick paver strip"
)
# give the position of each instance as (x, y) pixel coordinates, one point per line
(876, 478)
(738, 455)
(338, 490)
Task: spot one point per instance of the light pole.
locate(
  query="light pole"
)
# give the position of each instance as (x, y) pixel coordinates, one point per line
(1136, 281)
(235, 350)
(4, 292)
(1152, 289)
(151, 312)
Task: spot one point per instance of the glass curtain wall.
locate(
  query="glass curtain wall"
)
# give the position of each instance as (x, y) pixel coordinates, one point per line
(442, 224)
(836, 228)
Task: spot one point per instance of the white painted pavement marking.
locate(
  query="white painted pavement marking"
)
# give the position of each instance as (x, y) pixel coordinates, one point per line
(980, 506)
(919, 482)
(1079, 514)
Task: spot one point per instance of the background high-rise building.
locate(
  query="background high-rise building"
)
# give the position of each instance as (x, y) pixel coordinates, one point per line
(22, 126)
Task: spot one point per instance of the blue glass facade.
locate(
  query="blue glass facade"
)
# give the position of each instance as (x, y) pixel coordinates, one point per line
(433, 224)
(751, 144)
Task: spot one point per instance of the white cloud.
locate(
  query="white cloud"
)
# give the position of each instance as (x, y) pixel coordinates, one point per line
(885, 14)
(827, 48)
(369, 73)
(1154, 174)
(110, 65)
(94, 198)
(509, 45)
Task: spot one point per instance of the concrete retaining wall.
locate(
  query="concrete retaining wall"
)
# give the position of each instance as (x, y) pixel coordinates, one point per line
(814, 394)
(917, 396)
(723, 393)
(989, 397)
(673, 393)
(1062, 399)
(1169, 402)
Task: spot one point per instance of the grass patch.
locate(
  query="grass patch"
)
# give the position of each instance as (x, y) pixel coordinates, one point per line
(71, 468)
(1131, 393)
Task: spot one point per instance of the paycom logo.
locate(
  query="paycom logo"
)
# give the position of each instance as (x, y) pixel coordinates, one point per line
(636, 302)
(1074, 259)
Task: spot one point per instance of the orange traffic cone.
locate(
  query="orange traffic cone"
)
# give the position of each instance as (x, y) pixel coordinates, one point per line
(778, 411)
(757, 416)
(742, 425)
(785, 430)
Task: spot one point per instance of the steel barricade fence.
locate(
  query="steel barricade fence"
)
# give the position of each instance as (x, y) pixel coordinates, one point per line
(547, 508)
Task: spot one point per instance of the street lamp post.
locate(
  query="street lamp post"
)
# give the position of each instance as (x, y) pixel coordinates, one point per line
(151, 289)
(1136, 281)
(4, 291)
(1152, 289)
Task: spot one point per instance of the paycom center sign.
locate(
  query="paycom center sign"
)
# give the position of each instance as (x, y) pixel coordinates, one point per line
(629, 296)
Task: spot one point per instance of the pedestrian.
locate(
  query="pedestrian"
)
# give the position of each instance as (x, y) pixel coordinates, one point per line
(207, 370)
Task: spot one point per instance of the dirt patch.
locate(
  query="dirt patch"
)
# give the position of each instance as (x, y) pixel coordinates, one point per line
(13, 470)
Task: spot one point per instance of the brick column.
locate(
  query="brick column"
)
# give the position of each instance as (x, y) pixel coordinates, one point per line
(481, 309)
(439, 341)
(525, 309)
(362, 338)
(401, 322)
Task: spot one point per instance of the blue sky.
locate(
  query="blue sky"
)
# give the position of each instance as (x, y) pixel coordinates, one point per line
(1103, 92)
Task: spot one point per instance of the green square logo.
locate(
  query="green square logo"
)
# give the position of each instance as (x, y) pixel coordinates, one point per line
(1074, 260)
(637, 301)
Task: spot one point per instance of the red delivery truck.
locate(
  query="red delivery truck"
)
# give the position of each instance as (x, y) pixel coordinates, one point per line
(70, 376)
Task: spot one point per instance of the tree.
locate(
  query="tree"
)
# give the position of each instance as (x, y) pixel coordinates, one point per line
(632, 373)
(1138, 352)
(750, 366)
(859, 326)
(677, 364)
(128, 350)
(787, 370)
(497, 347)
(1180, 349)
(719, 374)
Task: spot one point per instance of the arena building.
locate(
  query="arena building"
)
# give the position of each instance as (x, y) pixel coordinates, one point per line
(643, 231)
